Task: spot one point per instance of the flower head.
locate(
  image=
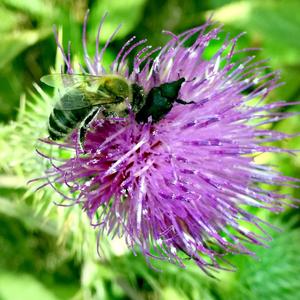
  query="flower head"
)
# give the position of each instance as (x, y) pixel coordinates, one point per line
(180, 185)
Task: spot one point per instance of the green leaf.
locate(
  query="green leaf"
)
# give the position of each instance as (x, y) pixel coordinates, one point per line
(274, 275)
(127, 12)
(33, 7)
(21, 287)
(8, 19)
(273, 25)
(15, 43)
(25, 213)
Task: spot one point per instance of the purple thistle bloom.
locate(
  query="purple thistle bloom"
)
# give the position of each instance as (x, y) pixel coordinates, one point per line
(181, 185)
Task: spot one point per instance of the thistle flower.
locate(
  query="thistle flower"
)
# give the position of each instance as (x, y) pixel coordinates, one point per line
(180, 187)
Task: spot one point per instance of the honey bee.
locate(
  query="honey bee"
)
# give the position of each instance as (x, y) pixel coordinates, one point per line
(83, 96)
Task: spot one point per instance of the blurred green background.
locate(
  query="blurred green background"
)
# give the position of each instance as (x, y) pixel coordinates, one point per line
(48, 252)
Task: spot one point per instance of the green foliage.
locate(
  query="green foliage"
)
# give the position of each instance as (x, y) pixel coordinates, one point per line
(118, 12)
(14, 44)
(274, 26)
(273, 275)
(49, 252)
(15, 285)
(34, 8)
(268, 22)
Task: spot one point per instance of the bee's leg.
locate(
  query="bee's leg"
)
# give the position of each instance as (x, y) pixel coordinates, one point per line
(184, 102)
(84, 125)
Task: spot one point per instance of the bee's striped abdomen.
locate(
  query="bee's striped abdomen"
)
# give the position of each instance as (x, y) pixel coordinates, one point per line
(62, 122)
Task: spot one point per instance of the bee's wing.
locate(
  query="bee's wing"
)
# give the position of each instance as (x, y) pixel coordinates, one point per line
(78, 99)
(73, 99)
(75, 93)
(69, 80)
